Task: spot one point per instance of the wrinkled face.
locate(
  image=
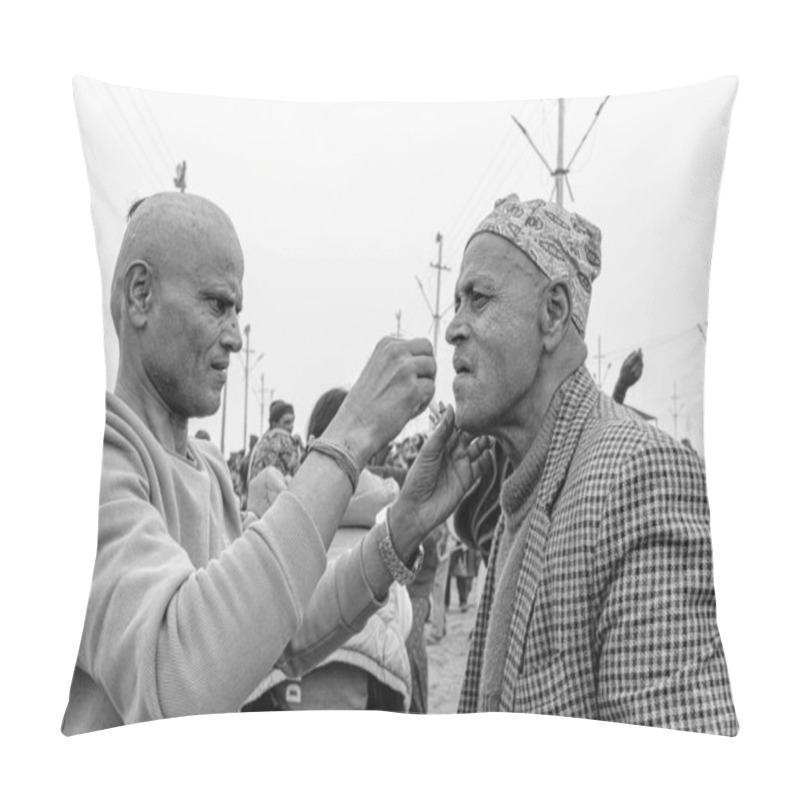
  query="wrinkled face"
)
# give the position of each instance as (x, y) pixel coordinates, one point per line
(286, 422)
(193, 326)
(496, 336)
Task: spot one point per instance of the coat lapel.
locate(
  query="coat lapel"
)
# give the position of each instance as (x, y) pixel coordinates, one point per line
(580, 399)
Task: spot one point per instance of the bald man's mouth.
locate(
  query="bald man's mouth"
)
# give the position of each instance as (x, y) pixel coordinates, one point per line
(221, 366)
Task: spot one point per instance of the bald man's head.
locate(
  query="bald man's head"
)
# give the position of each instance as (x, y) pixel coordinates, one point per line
(169, 231)
(175, 300)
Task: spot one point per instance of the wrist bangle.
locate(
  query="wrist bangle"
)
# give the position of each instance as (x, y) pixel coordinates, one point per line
(340, 455)
(397, 569)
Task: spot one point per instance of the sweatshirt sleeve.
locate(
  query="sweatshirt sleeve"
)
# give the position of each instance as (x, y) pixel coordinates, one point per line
(163, 638)
(340, 606)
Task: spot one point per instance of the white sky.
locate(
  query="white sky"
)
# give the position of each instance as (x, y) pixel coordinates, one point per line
(337, 207)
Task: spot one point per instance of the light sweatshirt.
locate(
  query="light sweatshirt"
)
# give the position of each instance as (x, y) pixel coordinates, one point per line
(186, 607)
(379, 648)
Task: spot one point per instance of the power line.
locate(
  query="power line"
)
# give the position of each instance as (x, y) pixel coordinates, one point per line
(495, 188)
(121, 137)
(157, 128)
(656, 343)
(149, 127)
(478, 193)
(137, 142)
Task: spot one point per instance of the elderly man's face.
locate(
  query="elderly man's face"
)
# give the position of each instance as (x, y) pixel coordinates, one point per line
(495, 335)
(193, 327)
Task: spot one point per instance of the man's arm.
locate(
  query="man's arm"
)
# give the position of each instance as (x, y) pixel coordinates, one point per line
(629, 373)
(164, 638)
(661, 660)
(358, 582)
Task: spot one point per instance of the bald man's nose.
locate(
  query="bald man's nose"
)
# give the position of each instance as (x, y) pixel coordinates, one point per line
(232, 336)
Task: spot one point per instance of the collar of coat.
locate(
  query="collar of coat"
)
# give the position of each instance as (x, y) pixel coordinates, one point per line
(580, 397)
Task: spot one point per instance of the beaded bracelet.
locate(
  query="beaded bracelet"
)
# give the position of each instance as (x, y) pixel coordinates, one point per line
(340, 455)
(397, 569)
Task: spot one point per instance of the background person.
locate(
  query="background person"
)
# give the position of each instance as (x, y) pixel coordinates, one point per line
(277, 447)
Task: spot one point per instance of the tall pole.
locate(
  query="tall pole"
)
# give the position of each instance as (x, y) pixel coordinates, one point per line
(262, 403)
(559, 173)
(224, 411)
(675, 409)
(599, 365)
(246, 378)
(439, 267)
(397, 315)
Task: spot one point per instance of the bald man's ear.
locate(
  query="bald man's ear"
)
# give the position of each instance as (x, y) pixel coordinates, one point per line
(138, 297)
(556, 314)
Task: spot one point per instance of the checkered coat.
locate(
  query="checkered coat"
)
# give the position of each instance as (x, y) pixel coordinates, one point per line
(615, 614)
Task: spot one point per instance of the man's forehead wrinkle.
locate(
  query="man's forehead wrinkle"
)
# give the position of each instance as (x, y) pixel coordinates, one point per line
(487, 250)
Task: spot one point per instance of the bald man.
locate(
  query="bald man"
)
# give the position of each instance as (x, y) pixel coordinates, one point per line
(599, 597)
(191, 606)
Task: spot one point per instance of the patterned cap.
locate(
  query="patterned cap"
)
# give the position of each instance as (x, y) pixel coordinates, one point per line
(563, 245)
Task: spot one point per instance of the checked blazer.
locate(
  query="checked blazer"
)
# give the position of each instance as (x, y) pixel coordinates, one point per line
(614, 616)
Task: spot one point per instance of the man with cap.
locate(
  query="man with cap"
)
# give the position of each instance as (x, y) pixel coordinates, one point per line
(599, 599)
(191, 606)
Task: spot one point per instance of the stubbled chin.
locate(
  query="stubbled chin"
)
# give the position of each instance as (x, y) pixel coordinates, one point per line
(460, 383)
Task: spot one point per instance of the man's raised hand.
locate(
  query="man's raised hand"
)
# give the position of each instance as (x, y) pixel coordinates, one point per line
(395, 385)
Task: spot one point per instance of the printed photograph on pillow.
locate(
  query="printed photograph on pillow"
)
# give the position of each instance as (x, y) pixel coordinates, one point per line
(404, 407)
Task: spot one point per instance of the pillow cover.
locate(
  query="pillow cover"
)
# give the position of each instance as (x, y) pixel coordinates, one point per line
(353, 221)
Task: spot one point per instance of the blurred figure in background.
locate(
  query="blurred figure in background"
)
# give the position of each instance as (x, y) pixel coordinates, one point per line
(444, 547)
(464, 564)
(277, 448)
(629, 373)
(420, 593)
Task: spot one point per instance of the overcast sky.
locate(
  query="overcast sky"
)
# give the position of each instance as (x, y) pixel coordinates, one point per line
(338, 205)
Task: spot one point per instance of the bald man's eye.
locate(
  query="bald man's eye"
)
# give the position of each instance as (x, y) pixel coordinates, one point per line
(218, 306)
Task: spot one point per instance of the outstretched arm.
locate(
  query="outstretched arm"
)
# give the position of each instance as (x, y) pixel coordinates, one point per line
(629, 373)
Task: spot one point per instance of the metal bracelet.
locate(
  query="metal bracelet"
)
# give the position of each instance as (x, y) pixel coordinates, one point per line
(397, 569)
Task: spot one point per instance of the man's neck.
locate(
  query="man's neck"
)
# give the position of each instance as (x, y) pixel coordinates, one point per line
(517, 441)
(171, 431)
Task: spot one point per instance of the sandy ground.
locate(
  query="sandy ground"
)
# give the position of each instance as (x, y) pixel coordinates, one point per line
(447, 659)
